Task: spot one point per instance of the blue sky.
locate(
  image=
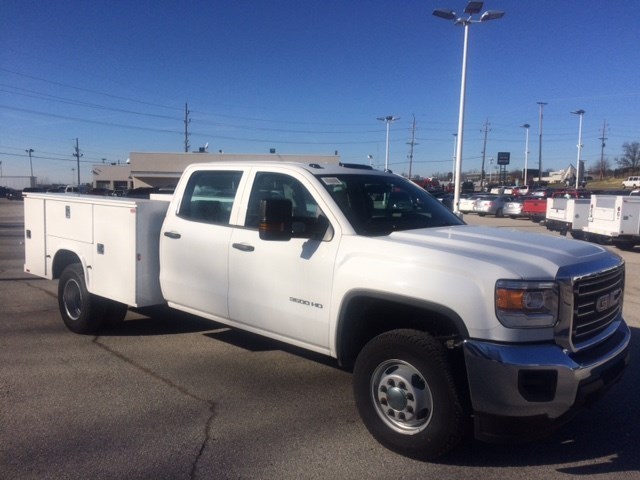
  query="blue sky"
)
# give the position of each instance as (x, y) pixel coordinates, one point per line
(312, 77)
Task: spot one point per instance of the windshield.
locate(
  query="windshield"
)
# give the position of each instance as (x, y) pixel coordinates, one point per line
(381, 204)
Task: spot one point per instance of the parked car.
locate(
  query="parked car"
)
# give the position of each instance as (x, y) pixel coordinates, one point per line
(446, 198)
(541, 192)
(513, 208)
(535, 207)
(467, 187)
(14, 194)
(521, 190)
(492, 205)
(467, 204)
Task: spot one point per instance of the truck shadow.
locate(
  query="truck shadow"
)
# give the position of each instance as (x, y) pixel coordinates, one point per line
(162, 320)
(602, 439)
(159, 320)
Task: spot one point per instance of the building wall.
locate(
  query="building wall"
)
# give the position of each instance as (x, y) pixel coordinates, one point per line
(113, 177)
(164, 169)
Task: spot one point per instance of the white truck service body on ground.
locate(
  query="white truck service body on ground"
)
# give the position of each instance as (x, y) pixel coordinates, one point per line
(614, 219)
(443, 323)
(567, 215)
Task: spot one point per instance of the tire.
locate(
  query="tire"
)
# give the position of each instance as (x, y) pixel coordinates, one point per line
(82, 312)
(626, 245)
(406, 395)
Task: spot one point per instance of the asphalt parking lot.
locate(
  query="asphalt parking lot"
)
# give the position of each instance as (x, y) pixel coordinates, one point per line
(176, 397)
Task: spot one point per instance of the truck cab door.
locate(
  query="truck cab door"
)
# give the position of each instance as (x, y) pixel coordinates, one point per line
(282, 289)
(194, 244)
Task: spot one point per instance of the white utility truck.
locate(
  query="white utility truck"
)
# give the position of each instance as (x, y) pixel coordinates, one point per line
(567, 215)
(614, 219)
(444, 324)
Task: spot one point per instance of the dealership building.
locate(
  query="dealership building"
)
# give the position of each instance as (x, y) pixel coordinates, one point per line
(161, 169)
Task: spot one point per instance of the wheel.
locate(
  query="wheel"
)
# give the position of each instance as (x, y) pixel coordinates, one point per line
(81, 311)
(625, 244)
(406, 394)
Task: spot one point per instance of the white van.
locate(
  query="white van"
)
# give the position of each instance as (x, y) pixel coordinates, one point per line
(631, 182)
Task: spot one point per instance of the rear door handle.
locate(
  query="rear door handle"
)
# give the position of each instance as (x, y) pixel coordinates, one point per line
(172, 235)
(243, 247)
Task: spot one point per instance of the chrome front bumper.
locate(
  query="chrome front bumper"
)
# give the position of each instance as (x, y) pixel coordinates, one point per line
(540, 381)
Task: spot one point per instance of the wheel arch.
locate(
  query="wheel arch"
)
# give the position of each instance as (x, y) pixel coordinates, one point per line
(365, 314)
(62, 259)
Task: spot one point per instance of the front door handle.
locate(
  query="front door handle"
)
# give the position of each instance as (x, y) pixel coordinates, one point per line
(174, 235)
(243, 247)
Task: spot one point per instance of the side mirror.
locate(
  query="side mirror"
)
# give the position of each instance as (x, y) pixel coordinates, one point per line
(276, 219)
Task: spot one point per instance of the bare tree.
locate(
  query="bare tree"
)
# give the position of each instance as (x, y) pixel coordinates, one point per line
(600, 168)
(630, 159)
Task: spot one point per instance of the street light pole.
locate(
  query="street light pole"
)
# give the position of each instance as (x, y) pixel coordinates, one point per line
(388, 119)
(455, 149)
(471, 9)
(580, 113)
(30, 151)
(526, 151)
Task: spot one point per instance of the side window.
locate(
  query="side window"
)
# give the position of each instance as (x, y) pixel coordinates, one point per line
(278, 185)
(209, 196)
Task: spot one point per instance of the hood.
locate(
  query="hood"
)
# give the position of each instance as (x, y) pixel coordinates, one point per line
(526, 255)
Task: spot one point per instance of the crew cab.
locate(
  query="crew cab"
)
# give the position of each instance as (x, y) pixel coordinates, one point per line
(444, 325)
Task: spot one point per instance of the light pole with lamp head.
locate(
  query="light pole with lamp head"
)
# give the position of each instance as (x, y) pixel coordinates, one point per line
(580, 113)
(471, 9)
(30, 151)
(388, 119)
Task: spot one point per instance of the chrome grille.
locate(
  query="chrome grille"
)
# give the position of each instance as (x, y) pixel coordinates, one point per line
(597, 303)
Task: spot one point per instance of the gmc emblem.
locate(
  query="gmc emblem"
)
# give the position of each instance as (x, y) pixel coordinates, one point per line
(609, 300)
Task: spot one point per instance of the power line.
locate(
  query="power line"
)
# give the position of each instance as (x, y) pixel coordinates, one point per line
(84, 120)
(88, 90)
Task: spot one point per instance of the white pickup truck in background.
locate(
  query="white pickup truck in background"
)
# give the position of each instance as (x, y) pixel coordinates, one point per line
(443, 324)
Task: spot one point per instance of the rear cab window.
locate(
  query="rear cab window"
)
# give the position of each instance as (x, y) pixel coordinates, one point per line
(210, 196)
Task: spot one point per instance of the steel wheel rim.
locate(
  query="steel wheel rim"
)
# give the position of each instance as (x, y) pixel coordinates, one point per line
(72, 299)
(401, 397)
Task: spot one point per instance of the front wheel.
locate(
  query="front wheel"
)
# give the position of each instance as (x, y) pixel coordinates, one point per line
(82, 312)
(406, 394)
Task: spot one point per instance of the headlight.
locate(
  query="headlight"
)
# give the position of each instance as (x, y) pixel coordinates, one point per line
(521, 304)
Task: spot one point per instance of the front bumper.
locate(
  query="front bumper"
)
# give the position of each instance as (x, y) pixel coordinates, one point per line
(538, 386)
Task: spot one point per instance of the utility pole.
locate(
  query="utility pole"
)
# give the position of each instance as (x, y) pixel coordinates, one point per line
(542, 104)
(187, 121)
(484, 152)
(77, 154)
(602, 139)
(411, 144)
